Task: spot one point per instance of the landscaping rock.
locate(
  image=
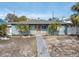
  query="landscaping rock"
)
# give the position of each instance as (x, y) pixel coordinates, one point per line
(63, 46)
(21, 47)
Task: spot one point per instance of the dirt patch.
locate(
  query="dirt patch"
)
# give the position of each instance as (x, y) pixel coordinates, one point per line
(62, 46)
(18, 47)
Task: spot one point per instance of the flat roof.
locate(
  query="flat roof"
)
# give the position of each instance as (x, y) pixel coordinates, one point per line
(36, 22)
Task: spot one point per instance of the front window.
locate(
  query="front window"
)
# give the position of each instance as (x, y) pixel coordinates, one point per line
(43, 26)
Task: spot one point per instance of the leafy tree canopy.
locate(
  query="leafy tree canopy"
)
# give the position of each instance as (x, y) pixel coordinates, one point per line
(11, 18)
(53, 26)
(3, 28)
(75, 7)
(22, 28)
(14, 18)
(75, 17)
(22, 18)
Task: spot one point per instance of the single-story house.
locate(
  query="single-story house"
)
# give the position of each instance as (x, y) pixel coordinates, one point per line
(66, 28)
(2, 21)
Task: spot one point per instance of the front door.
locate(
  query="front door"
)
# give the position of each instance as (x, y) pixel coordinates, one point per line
(37, 27)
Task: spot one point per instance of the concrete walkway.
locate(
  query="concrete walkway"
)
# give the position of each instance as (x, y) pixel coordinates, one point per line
(41, 46)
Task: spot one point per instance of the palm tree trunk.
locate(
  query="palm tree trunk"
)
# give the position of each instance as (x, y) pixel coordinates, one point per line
(76, 30)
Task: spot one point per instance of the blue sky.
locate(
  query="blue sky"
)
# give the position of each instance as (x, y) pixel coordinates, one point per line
(41, 10)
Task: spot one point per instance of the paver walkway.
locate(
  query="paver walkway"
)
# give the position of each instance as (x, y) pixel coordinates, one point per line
(41, 46)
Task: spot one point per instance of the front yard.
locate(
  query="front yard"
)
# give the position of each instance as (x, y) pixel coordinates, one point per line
(62, 46)
(57, 46)
(18, 47)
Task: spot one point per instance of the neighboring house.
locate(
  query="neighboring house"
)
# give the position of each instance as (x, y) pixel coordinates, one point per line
(2, 21)
(66, 28)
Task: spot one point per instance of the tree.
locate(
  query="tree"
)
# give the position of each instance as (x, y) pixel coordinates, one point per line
(53, 19)
(52, 28)
(22, 18)
(11, 18)
(14, 18)
(3, 29)
(75, 17)
(50, 19)
(75, 21)
(75, 7)
(23, 29)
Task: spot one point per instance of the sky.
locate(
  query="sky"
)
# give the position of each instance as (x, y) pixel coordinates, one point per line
(43, 10)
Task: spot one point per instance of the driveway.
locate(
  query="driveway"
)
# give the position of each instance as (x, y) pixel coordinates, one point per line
(41, 46)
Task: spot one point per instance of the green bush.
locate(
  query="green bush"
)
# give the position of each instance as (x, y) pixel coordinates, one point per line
(3, 29)
(52, 28)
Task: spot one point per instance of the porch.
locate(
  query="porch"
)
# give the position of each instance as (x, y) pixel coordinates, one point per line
(38, 27)
(33, 29)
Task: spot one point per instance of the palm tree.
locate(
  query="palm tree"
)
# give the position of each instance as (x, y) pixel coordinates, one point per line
(75, 7)
(75, 17)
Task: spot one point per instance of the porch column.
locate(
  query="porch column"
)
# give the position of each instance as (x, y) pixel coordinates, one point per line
(9, 30)
(29, 29)
(65, 29)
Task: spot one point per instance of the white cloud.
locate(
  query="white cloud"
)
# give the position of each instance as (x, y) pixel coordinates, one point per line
(4, 12)
(8, 10)
(33, 16)
(2, 16)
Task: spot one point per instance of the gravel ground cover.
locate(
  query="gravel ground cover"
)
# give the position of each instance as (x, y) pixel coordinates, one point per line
(62, 46)
(18, 47)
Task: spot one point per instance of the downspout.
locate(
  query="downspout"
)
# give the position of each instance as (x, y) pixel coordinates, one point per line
(29, 30)
(65, 29)
(76, 29)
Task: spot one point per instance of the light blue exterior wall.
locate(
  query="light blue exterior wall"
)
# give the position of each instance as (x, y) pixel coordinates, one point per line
(32, 29)
(61, 30)
(71, 30)
(14, 30)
